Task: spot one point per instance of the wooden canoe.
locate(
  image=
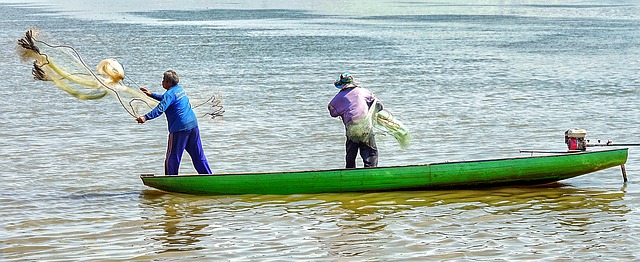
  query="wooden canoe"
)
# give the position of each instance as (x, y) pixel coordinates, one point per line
(528, 170)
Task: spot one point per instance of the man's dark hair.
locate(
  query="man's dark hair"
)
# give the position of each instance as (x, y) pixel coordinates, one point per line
(171, 77)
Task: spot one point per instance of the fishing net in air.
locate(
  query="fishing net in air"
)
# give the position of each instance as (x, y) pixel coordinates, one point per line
(63, 66)
(362, 130)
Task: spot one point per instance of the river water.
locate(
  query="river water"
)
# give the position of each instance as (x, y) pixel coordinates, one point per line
(469, 79)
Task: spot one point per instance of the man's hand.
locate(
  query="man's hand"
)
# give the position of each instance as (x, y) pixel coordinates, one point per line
(146, 92)
(141, 119)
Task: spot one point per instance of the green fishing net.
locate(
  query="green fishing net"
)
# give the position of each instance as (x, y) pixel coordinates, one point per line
(362, 130)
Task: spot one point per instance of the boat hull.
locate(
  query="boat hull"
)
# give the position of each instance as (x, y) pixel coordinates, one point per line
(460, 174)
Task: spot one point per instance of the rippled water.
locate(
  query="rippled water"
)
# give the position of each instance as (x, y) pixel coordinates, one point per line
(469, 81)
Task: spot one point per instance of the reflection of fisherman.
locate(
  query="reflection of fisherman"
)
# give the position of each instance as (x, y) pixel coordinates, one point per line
(183, 125)
(354, 105)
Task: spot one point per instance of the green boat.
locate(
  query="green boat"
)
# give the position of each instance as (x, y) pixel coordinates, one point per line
(528, 170)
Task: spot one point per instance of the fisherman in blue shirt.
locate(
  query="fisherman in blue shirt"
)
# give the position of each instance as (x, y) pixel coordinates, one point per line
(183, 125)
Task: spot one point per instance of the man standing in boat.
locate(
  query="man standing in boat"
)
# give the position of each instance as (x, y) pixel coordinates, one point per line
(356, 106)
(183, 125)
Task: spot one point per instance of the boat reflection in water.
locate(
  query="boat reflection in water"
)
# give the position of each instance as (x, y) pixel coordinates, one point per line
(441, 224)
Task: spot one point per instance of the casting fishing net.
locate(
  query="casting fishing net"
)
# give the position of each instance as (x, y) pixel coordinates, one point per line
(390, 125)
(362, 130)
(63, 66)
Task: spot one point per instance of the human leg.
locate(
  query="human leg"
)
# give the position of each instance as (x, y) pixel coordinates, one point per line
(195, 150)
(369, 153)
(352, 153)
(175, 148)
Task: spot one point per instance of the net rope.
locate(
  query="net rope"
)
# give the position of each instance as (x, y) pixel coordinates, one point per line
(63, 65)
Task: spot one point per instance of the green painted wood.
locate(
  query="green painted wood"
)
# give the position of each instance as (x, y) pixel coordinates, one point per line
(459, 174)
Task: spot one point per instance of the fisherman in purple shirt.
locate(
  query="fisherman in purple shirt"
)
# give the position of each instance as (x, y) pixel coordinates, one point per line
(353, 104)
(183, 125)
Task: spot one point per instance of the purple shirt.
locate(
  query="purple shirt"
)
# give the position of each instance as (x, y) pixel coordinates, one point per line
(351, 104)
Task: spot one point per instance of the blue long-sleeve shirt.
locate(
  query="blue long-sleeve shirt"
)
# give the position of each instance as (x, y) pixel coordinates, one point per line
(174, 103)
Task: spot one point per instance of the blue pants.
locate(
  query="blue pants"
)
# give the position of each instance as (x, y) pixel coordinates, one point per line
(180, 141)
(368, 152)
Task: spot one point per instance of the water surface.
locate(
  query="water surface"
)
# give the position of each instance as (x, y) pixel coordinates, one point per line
(469, 80)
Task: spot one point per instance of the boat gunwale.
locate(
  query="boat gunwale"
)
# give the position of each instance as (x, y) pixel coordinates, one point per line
(559, 154)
